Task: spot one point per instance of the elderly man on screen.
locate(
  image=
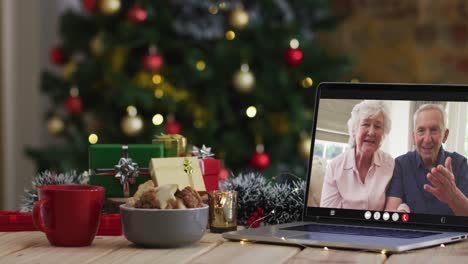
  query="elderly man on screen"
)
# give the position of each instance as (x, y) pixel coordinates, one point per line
(358, 178)
(429, 180)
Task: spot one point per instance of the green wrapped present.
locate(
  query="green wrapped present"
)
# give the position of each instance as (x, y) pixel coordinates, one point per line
(121, 168)
(175, 145)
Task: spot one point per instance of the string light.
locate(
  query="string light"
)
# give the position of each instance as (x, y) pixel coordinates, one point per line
(307, 82)
(294, 43)
(442, 245)
(383, 252)
(74, 91)
(230, 35)
(157, 119)
(222, 5)
(325, 248)
(213, 10)
(158, 93)
(131, 110)
(157, 79)
(200, 65)
(251, 111)
(93, 138)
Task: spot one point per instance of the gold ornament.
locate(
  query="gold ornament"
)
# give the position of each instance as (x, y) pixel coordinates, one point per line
(304, 146)
(55, 125)
(131, 125)
(239, 18)
(109, 7)
(143, 79)
(280, 123)
(69, 69)
(96, 45)
(244, 80)
(118, 58)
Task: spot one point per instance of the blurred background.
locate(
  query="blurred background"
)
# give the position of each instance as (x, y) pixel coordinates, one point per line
(237, 76)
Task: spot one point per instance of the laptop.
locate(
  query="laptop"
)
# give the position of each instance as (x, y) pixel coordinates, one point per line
(364, 228)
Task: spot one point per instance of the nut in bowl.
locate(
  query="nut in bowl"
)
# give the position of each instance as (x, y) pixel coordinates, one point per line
(178, 223)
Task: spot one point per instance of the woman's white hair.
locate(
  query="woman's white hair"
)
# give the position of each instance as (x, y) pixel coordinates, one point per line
(366, 109)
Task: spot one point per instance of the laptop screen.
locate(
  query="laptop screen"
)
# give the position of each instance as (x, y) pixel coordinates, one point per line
(390, 153)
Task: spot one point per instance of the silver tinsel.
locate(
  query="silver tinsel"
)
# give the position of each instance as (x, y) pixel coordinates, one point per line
(282, 202)
(47, 178)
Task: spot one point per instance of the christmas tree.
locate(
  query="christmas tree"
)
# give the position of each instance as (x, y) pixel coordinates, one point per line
(236, 76)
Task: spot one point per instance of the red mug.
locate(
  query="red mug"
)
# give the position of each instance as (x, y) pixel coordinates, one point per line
(69, 214)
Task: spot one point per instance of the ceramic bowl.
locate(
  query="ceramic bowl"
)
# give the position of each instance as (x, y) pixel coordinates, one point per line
(163, 227)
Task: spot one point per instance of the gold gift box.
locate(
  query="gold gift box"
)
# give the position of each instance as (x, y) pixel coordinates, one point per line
(184, 171)
(175, 145)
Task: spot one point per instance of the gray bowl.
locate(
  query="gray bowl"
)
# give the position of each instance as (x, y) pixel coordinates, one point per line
(163, 227)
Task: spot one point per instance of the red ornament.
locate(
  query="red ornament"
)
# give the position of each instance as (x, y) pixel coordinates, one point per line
(89, 5)
(255, 220)
(294, 56)
(260, 160)
(172, 127)
(153, 62)
(56, 56)
(137, 14)
(223, 174)
(73, 105)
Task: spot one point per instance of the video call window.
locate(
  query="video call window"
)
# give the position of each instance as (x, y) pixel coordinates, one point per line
(331, 142)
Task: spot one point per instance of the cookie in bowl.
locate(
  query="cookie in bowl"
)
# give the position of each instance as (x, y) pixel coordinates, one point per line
(164, 216)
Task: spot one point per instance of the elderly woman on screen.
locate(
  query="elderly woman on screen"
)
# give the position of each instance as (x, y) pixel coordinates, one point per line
(358, 178)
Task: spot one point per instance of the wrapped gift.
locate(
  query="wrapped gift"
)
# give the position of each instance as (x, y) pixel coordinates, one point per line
(174, 145)
(110, 225)
(184, 171)
(10, 221)
(121, 168)
(210, 169)
(16, 221)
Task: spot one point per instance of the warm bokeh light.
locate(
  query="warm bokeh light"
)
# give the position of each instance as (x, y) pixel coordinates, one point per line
(294, 43)
(245, 67)
(131, 110)
(93, 138)
(157, 119)
(230, 35)
(251, 111)
(213, 10)
(307, 82)
(200, 65)
(157, 79)
(74, 91)
(158, 93)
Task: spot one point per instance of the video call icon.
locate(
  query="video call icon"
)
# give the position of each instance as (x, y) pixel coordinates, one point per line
(395, 216)
(386, 216)
(367, 215)
(405, 217)
(377, 215)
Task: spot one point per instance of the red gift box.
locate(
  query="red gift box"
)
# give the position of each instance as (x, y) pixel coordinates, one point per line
(110, 225)
(11, 221)
(16, 221)
(210, 169)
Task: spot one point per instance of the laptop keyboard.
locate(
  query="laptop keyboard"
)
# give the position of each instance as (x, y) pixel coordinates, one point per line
(362, 231)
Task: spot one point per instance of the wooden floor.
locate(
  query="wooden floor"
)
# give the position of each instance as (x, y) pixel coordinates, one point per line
(33, 247)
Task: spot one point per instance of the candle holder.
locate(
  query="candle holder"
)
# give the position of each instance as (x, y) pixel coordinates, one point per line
(223, 211)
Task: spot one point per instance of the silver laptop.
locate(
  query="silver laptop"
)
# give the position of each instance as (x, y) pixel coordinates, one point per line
(374, 229)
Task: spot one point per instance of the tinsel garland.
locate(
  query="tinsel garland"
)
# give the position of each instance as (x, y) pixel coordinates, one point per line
(47, 178)
(281, 202)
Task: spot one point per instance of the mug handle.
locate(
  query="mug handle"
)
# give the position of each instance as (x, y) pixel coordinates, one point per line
(37, 219)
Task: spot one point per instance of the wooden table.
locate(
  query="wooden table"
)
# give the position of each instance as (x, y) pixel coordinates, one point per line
(33, 247)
